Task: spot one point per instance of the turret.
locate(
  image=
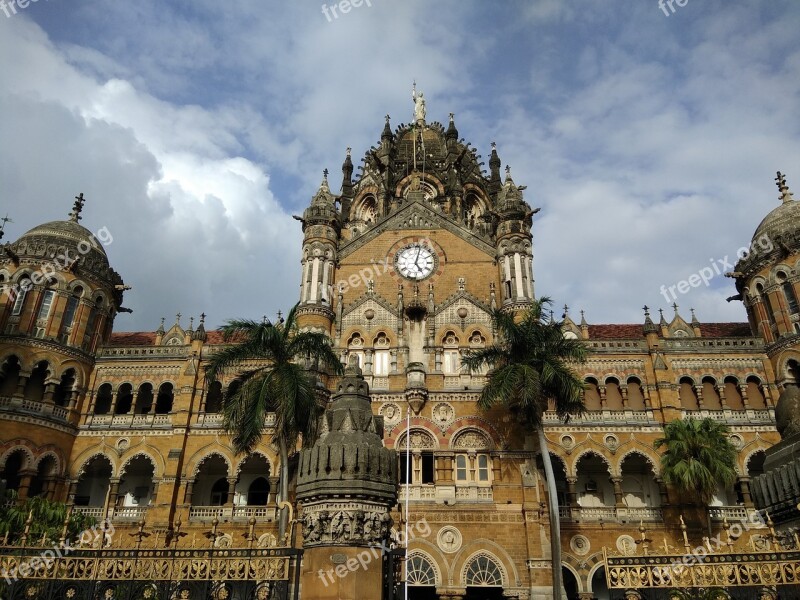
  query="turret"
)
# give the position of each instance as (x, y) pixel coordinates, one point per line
(321, 227)
(513, 242)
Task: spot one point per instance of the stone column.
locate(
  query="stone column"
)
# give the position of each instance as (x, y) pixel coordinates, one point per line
(72, 490)
(451, 593)
(21, 383)
(188, 492)
(743, 392)
(25, 478)
(572, 492)
(698, 391)
(662, 490)
(744, 485)
(617, 482)
(231, 491)
(49, 392)
(602, 391)
(113, 494)
(721, 392)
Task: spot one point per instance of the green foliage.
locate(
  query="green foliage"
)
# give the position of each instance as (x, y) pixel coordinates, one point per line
(47, 519)
(698, 457)
(281, 384)
(531, 366)
(699, 594)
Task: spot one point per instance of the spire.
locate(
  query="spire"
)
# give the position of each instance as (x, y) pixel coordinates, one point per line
(662, 321)
(347, 183)
(452, 132)
(75, 215)
(200, 334)
(649, 326)
(160, 329)
(494, 171)
(694, 318)
(387, 131)
(783, 188)
(583, 320)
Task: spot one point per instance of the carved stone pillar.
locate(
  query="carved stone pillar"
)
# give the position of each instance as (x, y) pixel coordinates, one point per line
(113, 494)
(451, 593)
(188, 492)
(743, 392)
(698, 391)
(49, 392)
(73, 489)
(21, 383)
(623, 390)
(272, 496)
(572, 492)
(25, 478)
(444, 466)
(602, 390)
(721, 392)
(618, 501)
(231, 491)
(744, 486)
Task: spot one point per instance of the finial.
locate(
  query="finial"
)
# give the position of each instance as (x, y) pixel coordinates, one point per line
(675, 308)
(494, 145)
(280, 317)
(387, 119)
(662, 320)
(452, 117)
(566, 311)
(508, 171)
(191, 323)
(3, 226)
(75, 215)
(646, 310)
(786, 194)
(161, 327)
(202, 318)
(694, 317)
(348, 151)
(178, 319)
(325, 174)
(583, 319)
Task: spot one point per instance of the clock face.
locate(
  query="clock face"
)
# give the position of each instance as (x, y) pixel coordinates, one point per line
(415, 261)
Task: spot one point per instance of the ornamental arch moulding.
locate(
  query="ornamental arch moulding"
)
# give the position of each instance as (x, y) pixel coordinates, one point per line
(471, 438)
(195, 464)
(421, 439)
(92, 456)
(638, 450)
(21, 446)
(256, 454)
(584, 452)
(157, 463)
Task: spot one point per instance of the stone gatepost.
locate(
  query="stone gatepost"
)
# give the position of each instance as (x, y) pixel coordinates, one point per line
(346, 485)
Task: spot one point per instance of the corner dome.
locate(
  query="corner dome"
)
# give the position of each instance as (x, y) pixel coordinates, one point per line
(787, 412)
(782, 223)
(54, 239)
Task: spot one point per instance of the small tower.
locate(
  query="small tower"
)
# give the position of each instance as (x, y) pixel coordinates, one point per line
(321, 227)
(513, 244)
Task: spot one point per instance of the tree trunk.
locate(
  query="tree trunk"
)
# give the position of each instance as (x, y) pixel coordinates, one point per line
(555, 524)
(284, 489)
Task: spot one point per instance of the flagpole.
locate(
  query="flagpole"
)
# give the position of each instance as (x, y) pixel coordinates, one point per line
(408, 493)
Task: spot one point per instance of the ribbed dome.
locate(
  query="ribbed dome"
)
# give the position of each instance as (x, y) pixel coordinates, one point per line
(787, 412)
(783, 222)
(63, 238)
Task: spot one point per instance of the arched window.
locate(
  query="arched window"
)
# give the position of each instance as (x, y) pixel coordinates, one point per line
(687, 394)
(355, 347)
(21, 294)
(591, 394)
(34, 389)
(483, 571)
(11, 471)
(102, 403)
(164, 399)
(144, 399)
(755, 397)
(711, 399)
(64, 388)
(791, 297)
(613, 394)
(733, 397)
(9, 376)
(258, 492)
(214, 397)
(69, 314)
(483, 468)
(461, 468)
(635, 394)
(451, 357)
(219, 492)
(380, 357)
(420, 571)
(124, 399)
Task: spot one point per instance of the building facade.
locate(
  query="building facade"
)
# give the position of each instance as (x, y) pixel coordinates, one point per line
(402, 270)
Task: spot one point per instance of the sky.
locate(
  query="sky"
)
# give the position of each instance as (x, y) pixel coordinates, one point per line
(649, 136)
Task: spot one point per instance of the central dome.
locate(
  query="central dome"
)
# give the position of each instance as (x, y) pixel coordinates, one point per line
(62, 238)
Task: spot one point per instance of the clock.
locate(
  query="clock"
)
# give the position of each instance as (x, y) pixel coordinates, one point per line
(415, 261)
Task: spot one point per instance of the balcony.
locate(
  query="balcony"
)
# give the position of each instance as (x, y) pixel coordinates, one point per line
(731, 513)
(232, 513)
(129, 421)
(44, 409)
(596, 514)
(96, 512)
(129, 513)
(442, 494)
(615, 417)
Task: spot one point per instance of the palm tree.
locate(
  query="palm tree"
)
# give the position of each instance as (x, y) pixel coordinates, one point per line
(268, 360)
(47, 518)
(530, 370)
(699, 457)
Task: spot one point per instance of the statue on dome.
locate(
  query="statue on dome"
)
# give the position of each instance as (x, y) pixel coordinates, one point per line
(419, 104)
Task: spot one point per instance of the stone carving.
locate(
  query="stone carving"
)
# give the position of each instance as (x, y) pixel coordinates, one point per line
(391, 413)
(580, 545)
(449, 539)
(568, 441)
(611, 442)
(443, 414)
(345, 527)
(420, 440)
(472, 440)
(626, 545)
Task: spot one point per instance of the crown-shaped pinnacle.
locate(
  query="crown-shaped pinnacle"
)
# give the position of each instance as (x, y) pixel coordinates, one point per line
(783, 188)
